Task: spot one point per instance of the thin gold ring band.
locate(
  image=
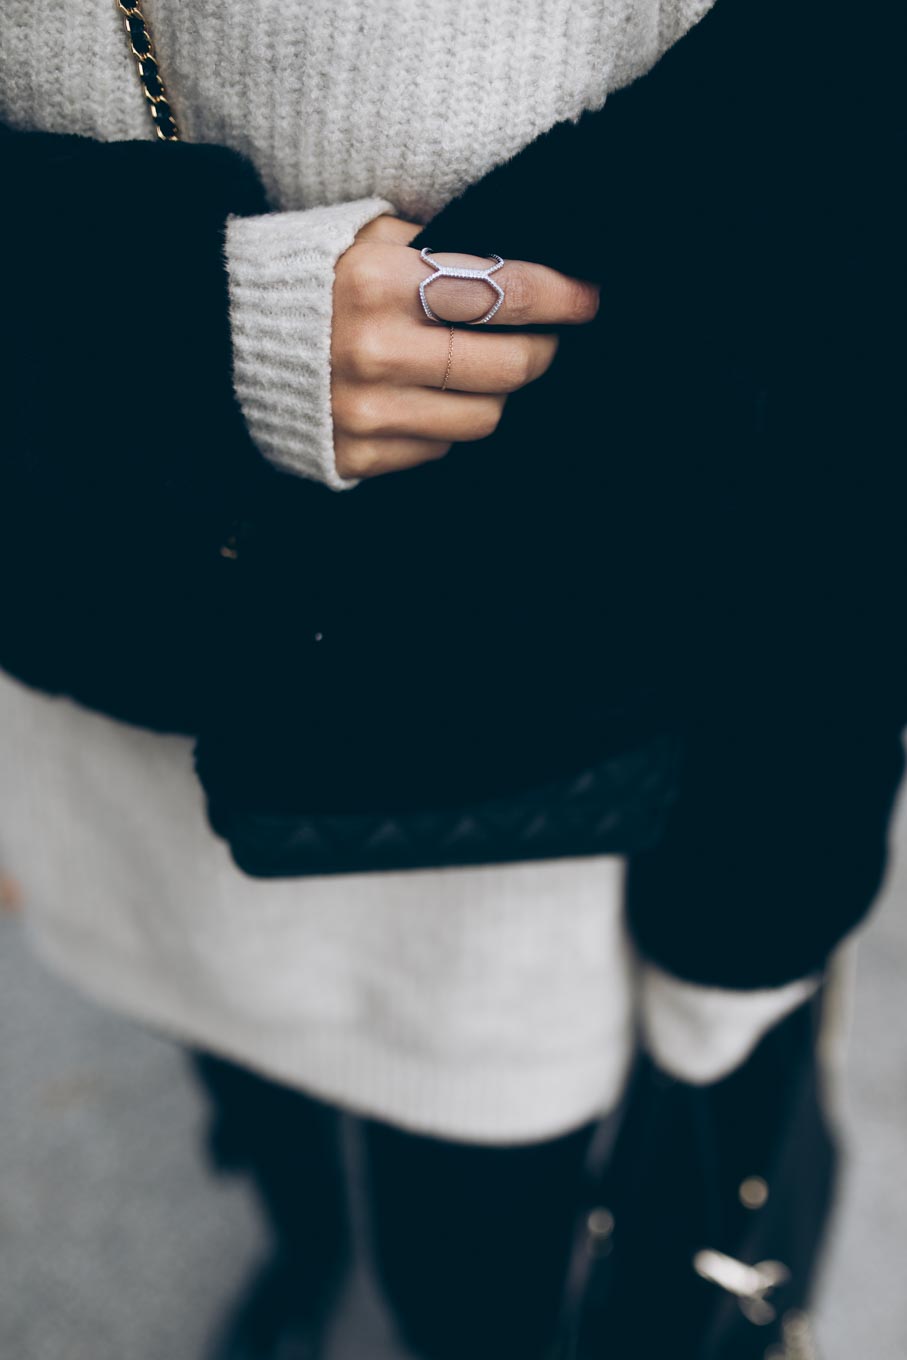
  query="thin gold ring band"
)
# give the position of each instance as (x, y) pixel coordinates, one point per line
(449, 361)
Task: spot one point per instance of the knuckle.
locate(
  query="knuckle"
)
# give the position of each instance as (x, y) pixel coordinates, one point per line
(518, 365)
(457, 299)
(549, 353)
(364, 278)
(521, 294)
(368, 356)
(358, 458)
(358, 412)
(487, 418)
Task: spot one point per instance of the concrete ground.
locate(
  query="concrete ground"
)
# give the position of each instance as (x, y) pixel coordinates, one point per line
(116, 1244)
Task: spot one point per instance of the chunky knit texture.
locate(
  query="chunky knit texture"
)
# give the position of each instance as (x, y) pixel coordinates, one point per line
(492, 1003)
(356, 108)
(281, 276)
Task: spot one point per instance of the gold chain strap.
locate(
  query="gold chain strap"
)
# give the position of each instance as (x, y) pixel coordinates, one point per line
(141, 45)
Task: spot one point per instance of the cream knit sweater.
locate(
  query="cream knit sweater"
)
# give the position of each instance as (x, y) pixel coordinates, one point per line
(492, 1003)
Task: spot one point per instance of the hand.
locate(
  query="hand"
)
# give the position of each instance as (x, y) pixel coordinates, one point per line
(388, 360)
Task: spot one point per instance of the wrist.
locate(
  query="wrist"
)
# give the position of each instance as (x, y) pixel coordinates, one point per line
(281, 274)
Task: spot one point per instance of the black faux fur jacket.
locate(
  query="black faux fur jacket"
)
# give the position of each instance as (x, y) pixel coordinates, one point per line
(720, 553)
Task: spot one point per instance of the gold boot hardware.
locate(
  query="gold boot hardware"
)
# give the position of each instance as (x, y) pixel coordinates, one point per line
(751, 1285)
(599, 1231)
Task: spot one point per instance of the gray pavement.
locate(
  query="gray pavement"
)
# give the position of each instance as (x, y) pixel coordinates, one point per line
(116, 1244)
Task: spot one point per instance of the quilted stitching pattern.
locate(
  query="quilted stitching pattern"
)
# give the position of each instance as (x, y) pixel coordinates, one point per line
(615, 807)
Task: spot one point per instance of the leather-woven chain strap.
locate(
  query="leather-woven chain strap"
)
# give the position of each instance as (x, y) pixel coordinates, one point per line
(141, 45)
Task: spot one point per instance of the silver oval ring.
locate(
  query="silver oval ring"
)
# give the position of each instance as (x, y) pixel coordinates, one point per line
(450, 271)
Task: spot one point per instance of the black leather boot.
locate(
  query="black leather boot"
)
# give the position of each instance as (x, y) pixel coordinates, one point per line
(266, 1321)
(289, 1147)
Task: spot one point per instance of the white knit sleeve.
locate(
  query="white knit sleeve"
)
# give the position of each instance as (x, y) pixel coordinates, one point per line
(280, 268)
(677, 17)
(701, 1034)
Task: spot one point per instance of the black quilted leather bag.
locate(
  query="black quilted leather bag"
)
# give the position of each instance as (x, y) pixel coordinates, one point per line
(445, 656)
(617, 806)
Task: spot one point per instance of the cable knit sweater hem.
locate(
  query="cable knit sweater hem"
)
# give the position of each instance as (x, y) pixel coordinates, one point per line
(281, 273)
(474, 1101)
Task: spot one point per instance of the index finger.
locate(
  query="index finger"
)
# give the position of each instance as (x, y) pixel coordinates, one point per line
(533, 293)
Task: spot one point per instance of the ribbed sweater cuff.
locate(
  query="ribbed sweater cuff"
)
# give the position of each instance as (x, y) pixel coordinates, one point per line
(281, 274)
(702, 1034)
